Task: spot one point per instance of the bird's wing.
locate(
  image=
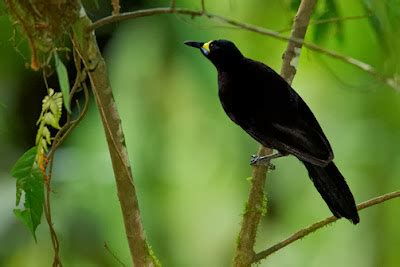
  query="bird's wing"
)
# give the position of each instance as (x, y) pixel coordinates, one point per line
(304, 141)
(285, 122)
(298, 139)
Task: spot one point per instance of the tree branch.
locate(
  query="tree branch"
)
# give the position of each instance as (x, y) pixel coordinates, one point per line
(299, 29)
(113, 255)
(388, 80)
(87, 45)
(256, 205)
(116, 7)
(312, 228)
(255, 209)
(331, 20)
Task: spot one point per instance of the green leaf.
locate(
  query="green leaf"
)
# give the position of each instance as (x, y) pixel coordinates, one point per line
(50, 119)
(79, 32)
(29, 180)
(56, 105)
(24, 163)
(46, 135)
(40, 131)
(63, 81)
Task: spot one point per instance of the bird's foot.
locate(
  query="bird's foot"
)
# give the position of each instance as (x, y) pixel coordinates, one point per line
(265, 160)
(260, 161)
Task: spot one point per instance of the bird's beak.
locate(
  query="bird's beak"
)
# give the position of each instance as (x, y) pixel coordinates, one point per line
(194, 44)
(204, 47)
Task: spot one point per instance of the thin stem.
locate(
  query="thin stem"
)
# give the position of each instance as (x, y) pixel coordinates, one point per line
(203, 6)
(331, 20)
(61, 135)
(113, 255)
(173, 4)
(314, 227)
(47, 211)
(388, 80)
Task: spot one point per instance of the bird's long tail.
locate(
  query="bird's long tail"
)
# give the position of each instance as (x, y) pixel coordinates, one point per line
(333, 188)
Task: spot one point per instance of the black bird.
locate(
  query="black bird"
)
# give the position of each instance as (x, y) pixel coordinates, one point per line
(263, 104)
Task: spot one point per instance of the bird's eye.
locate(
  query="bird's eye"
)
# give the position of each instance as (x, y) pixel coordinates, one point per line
(212, 46)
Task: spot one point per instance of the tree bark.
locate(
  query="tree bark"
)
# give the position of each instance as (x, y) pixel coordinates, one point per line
(94, 63)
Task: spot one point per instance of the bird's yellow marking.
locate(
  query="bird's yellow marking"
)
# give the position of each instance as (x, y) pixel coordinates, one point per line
(206, 46)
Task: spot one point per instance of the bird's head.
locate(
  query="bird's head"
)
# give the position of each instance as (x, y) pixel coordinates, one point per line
(222, 53)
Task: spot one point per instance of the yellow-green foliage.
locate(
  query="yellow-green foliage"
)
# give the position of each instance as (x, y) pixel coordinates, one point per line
(50, 115)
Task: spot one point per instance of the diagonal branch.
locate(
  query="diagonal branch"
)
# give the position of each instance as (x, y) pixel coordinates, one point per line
(314, 227)
(88, 49)
(388, 80)
(299, 29)
(331, 20)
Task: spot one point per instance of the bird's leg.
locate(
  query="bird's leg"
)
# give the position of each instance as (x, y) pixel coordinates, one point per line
(264, 160)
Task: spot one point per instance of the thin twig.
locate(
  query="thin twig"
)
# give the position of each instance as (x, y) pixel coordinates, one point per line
(173, 4)
(312, 228)
(67, 128)
(113, 255)
(330, 20)
(61, 135)
(203, 6)
(388, 80)
(59, 138)
(47, 211)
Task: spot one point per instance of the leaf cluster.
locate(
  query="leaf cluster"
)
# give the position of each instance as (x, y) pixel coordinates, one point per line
(30, 182)
(50, 116)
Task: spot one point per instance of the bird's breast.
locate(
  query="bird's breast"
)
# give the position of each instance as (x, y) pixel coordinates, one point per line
(236, 98)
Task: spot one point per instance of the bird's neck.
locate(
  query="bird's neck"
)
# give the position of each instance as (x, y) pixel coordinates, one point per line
(231, 67)
(231, 63)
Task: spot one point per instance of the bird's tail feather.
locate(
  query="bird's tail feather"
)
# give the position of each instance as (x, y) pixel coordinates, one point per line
(334, 190)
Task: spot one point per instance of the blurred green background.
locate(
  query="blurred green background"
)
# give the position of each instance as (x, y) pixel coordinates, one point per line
(190, 162)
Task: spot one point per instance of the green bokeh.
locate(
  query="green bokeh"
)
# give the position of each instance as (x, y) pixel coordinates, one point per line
(190, 162)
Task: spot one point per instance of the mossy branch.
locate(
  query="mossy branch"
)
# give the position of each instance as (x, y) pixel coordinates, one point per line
(318, 225)
(255, 209)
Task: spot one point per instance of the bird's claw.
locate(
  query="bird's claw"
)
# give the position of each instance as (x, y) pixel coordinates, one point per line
(261, 160)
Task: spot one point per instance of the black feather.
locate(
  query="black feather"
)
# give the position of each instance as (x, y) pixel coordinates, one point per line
(333, 188)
